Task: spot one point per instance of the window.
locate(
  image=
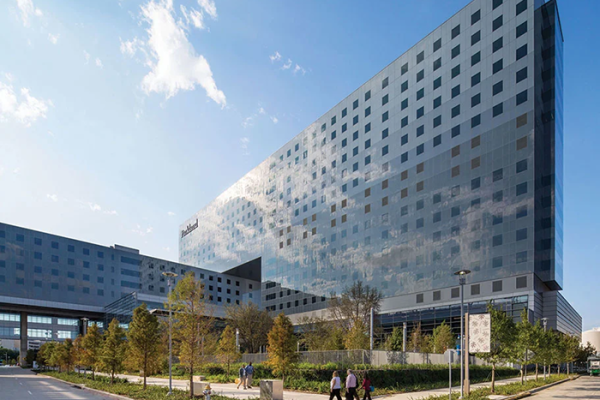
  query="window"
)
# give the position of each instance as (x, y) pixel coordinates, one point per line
(497, 45)
(355, 105)
(475, 162)
(456, 71)
(497, 110)
(367, 111)
(437, 121)
(497, 88)
(344, 112)
(521, 188)
(420, 57)
(456, 111)
(497, 286)
(497, 66)
(522, 29)
(456, 171)
(497, 240)
(455, 211)
(455, 31)
(419, 298)
(385, 116)
(476, 141)
(455, 91)
(367, 95)
(437, 217)
(521, 282)
(475, 183)
(475, 290)
(521, 6)
(404, 86)
(420, 148)
(476, 16)
(384, 83)
(420, 93)
(521, 166)
(355, 120)
(476, 121)
(521, 212)
(497, 175)
(404, 157)
(522, 97)
(437, 45)
(384, 150)
(521, 257)
(475, 79)
(420, 130)
(437, 102)
(521, 234)
(475, 100)
(384, 100)
(456, 151)
(522, 143)
(437, 198)
(496, 4)
(522, 51)
(475, 58)
(437, 140)
(497, 23)
(437, 83)
(456, 51)
(437, 64)
(404, 69)
(420, 75)
(404, 104)
(521, 74)
(384, 133)
(420, 112)
(475, 38)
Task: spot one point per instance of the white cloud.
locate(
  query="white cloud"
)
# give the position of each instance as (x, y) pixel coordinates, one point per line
(170, 213)
(53, 38)
(194, 16)
(130, 47)
(99, 63)
(87, 56)
(244, 145)
(274, 119)
(287, 65)
(209, 7)
(110, 212)
(52, 197)
(142, 231)
(261, 111)
(28, 10)
(275, 57)
(94, 207)
(298, 68)
(249, 121)
(174, 64)
(25, 110)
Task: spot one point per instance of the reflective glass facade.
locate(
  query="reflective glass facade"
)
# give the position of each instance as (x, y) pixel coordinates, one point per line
(437, 163)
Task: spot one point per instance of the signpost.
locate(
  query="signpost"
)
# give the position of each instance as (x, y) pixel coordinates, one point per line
(450, 355)
(477, 339)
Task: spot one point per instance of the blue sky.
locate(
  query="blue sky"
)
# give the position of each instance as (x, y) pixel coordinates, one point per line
(119, 119)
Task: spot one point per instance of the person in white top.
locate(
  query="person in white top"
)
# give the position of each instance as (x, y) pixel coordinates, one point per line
(335, 386)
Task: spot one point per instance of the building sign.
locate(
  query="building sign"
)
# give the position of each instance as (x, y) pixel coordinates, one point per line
(189, 229)
(480, 330)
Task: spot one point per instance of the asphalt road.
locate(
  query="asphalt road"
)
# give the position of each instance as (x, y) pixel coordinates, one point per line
(21, 384)
(584, 388)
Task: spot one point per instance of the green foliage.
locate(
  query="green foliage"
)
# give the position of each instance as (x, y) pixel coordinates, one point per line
(29, 357)
(44, 354)
(144, 344)
(319, 334)
(282, 346)
(355, 304)
(92, 346)
(416, 339)
(357, 337)
(113, 348)
(395, 340)
(442, 339)
(253, 324)
(227, 351)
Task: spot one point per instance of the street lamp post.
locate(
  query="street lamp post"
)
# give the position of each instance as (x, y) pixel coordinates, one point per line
(170, 276)
(237, 339)
(462, 280)
(544, 324)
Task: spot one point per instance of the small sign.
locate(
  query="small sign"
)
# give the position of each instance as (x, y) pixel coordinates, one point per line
(480, 331)
(189, 229)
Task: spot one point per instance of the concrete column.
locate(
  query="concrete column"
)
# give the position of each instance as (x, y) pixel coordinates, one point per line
(24, 338)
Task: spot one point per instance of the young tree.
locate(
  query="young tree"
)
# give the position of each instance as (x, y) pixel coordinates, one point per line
(524, 343)
(112, 354)
(77, 352)
(357, 338)
(92, 346)
(282, 346)
(61, 355)
(354, 304)
(415, 339)
(395, 341)
(501, 340)
(442, 339)
(585, 351)
(571, 348)
(192, 322)
(44, 354)
(253, 324)
(227, 351)
(30, 357)
(318, 334)
(143, 338)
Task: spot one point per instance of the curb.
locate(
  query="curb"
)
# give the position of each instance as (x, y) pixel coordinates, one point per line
(536, 390)
(83, 387)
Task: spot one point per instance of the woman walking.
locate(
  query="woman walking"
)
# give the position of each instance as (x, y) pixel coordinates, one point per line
(335, 386)
(366, 385)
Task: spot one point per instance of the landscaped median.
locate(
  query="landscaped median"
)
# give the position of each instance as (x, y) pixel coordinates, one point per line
(510, 389)
(123, 388)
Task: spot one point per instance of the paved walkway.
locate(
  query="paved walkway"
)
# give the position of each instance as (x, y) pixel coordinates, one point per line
(22, 384)
(584, 388)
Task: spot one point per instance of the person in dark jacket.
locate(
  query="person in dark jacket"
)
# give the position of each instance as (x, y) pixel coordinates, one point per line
(242, 376)
(249, 372)
(366, 385)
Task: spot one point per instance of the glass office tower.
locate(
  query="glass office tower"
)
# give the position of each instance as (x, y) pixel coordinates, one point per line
(449, 158)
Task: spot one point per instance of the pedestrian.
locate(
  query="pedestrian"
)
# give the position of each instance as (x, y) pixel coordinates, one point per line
(351, 385)
(335, 386)
(249, 372)
(207, 392)
(242, 376)
(367, 385)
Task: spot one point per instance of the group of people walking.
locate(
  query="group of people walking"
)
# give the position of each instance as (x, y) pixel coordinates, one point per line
(335, 387)
(245, 375)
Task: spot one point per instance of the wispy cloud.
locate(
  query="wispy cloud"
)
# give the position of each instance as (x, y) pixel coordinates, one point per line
(249, 121)
(28, 10)
(87, 56)
(52, 197)
(53, 38)
(99, 63)
(275, 57)
(298, 68)
(142, 231)
(244, 145)
(274, 119)
(25, 108)
(287, 65)
(173, 61)
(170, 213)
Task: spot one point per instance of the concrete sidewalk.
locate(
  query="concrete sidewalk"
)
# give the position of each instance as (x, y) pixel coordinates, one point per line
(230, 389)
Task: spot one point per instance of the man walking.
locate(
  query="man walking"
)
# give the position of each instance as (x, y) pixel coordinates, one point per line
(242, 376)
(249, 372)
(351, 384)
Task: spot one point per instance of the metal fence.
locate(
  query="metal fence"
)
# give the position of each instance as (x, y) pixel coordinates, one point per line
(375, 357)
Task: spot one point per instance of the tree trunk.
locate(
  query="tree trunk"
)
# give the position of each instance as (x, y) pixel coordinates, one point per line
(191, 381)
(493, 377)
(567, 368)
(112, 377)
(145, 369)
(522, 373)
(536, 371)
